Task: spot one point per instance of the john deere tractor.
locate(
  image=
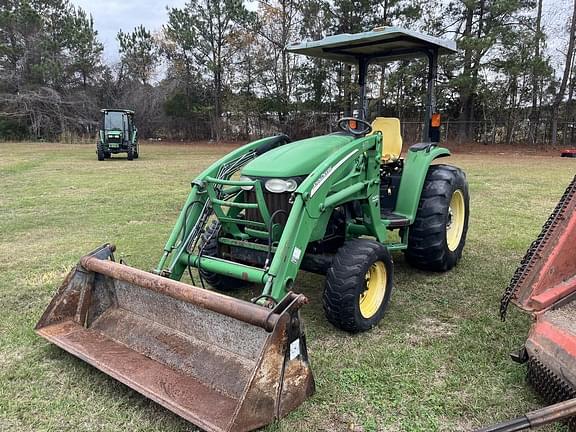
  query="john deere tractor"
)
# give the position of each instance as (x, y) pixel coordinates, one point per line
(117, 134)
(339, 204)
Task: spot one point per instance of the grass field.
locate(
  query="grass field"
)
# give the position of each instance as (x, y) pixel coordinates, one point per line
(437, 362)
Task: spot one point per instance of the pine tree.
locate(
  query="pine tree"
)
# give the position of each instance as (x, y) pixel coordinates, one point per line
(216, 26)
(138, 54)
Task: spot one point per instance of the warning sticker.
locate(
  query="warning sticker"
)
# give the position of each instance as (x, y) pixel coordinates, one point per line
(296, 255)
(294, 349)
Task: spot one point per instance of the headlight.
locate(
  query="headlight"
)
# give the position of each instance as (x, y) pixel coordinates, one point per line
(281, 185)
(246, 188)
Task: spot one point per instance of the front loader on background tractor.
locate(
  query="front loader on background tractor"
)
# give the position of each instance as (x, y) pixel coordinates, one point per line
(337, 204)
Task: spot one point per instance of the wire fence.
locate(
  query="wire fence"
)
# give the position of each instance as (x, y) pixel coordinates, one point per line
(524, 132)
(489, 132)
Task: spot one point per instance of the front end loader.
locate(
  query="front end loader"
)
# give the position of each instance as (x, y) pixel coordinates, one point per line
(338, 204)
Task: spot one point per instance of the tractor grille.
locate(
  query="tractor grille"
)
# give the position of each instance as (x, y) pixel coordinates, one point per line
(274, 202)
(114, 140)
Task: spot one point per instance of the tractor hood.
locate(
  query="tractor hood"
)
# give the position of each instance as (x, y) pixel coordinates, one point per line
(297, 158)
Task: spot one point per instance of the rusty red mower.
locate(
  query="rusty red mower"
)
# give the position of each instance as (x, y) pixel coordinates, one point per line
(544, 285)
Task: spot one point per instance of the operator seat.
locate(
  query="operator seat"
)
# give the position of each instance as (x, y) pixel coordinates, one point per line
(391, 137)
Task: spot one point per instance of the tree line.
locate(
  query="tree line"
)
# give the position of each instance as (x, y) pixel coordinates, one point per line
(217, 70)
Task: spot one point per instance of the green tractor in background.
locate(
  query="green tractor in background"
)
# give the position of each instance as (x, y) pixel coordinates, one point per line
(338, 205)
(117, 134)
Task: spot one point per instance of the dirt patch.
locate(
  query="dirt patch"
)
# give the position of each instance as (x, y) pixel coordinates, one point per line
(460, 425)
(513, 149)
(428, 329)
(337, 422)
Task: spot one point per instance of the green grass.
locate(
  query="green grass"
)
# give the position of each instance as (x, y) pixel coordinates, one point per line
(437, 362)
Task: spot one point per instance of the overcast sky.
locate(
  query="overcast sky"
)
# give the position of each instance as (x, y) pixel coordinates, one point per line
(113, 15)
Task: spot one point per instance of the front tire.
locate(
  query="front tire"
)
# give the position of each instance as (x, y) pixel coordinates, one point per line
(100, 152)
(358, 285)
(210, 247)
(130, 152)
(437, 237)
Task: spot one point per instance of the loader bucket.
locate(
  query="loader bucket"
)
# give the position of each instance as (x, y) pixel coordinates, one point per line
(221, 363)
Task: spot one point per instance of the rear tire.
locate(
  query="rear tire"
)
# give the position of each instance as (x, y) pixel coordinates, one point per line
(437, 237)
(210, 247)
(358, 285)
(100, 152)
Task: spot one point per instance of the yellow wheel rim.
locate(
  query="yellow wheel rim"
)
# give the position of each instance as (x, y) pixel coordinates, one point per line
(373, 296)
(455, 225)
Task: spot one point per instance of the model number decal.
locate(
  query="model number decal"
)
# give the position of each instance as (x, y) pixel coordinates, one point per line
(326, 174)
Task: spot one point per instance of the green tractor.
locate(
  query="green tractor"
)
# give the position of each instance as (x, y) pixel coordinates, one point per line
(117, 134)
(338, 204)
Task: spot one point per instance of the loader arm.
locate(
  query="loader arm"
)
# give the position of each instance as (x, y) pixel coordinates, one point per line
(349, 174)
(176, 243)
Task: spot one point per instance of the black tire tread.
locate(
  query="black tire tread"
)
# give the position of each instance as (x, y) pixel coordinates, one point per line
(210, 247)
(427, 245)
(100, 151)
(342, 279)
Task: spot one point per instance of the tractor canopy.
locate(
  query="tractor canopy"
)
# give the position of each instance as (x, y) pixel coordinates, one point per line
(390, 43)
(297, 158)
(380, 45)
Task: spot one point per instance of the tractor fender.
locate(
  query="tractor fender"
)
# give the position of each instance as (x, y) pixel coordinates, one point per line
(416, 164)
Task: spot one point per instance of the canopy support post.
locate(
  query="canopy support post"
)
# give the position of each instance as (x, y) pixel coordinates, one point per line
(430, 94)
(362, 72)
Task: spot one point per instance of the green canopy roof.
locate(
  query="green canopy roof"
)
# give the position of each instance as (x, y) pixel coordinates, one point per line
(386, 43)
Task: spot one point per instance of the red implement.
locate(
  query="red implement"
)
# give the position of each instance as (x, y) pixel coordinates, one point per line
(545, 286)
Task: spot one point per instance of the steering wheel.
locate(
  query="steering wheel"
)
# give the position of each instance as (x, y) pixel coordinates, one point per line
(344, 124)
